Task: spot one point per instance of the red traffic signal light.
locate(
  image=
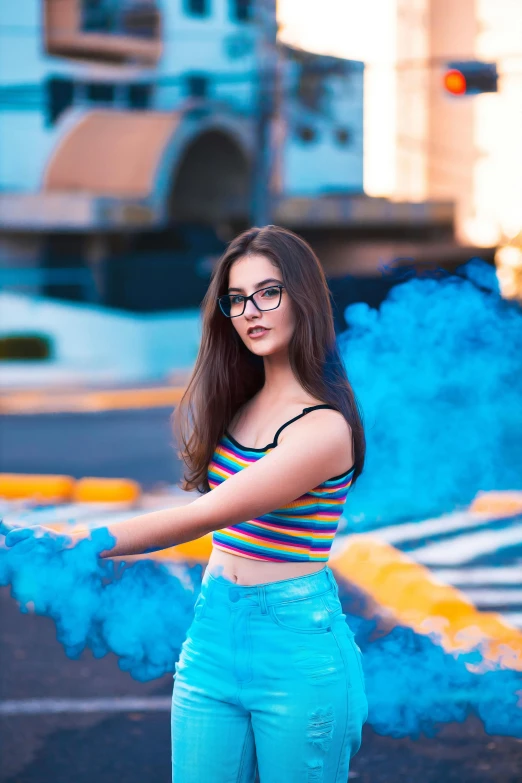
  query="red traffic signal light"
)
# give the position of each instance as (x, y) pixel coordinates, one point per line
(470, 77)
(455, 82)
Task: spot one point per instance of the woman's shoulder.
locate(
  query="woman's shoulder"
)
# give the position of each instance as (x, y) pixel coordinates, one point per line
(322, 422)
(323, 434)
(320, 415)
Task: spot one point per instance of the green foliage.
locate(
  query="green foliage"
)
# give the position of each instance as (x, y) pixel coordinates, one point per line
(25, 347)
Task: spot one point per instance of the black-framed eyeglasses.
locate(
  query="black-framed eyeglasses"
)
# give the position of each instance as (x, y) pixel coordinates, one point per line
(233, 305)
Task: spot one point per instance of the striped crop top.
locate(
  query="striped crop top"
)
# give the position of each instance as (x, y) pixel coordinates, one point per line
(303, 530)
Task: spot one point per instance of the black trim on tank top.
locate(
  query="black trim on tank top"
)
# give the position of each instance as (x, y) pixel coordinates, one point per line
(304, 411)
(274, 442)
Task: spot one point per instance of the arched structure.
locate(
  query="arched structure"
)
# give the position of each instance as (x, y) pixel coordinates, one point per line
(181, 166)
(211, 182)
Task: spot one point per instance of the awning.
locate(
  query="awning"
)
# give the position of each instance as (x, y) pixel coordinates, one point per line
(111, 153)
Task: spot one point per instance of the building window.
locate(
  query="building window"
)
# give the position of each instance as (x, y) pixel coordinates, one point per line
(98, 16)
(343, 137)
(63, 93)
(306, 134)
(99, 92)
(60, 95)
(311, 89)
(138, 18)
(197, 7)
(140, 95)
(242, 10)
(197, 85)
(103, 30)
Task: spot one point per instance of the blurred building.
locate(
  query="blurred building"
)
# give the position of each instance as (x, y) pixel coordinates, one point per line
(124, 117)
(104, 75)
(467, 146)
(138, 135)
(437, 146)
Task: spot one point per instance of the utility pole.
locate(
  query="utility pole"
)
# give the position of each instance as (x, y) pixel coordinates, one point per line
(267, 60)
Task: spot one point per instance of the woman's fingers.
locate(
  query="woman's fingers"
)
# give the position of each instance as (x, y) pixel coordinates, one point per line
(17, 535)
(25, 538)
(14, 534)
(5, 529)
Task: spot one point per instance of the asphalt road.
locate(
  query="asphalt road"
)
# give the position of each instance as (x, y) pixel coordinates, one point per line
(134, 746)
(135, 444)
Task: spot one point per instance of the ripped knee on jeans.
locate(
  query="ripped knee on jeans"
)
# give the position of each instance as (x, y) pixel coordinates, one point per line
(319, 734)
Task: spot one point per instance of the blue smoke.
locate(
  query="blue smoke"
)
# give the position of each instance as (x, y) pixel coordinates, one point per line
(141, 613)
(437, 371)
(414, 687)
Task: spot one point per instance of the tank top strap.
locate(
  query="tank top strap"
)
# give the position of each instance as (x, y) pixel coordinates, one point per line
(303, 413)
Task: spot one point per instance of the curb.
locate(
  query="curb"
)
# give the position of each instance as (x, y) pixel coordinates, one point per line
(104, 490)
(498, 502)
(15, 486)
(415, 598)
(27, 402)
(66, 489)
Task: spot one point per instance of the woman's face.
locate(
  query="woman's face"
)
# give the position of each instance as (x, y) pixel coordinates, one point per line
(249, 274)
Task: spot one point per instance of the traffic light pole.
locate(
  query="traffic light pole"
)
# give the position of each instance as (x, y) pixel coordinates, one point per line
(267, 58)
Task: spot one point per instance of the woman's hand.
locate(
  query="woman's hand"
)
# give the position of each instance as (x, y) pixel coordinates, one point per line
(26, 538)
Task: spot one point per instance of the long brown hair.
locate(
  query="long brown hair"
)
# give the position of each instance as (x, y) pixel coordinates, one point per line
(226, 374)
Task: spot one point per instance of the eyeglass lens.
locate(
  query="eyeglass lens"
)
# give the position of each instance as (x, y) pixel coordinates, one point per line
(266, 299)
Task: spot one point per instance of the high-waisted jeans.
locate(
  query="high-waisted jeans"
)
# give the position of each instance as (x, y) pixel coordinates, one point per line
(269, 685)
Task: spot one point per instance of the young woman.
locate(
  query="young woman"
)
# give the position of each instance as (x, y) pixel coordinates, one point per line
(269, 674)
(269, 680)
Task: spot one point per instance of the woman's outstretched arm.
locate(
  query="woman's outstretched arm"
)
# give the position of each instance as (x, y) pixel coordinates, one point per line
(314, 449)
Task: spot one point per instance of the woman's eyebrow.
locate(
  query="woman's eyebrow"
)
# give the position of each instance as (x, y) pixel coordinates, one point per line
(261, 283)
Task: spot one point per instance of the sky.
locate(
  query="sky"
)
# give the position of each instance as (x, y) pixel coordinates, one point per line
(338, 27)
(346, 28)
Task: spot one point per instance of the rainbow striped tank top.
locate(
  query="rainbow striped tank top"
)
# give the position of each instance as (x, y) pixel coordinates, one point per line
(301, 531)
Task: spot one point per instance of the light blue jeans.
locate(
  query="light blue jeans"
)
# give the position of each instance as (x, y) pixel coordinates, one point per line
(269, 685)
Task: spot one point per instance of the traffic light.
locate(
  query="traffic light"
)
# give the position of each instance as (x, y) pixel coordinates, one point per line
(470, 77)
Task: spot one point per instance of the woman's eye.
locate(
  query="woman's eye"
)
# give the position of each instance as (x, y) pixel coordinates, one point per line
(271, 292)
(236, 299)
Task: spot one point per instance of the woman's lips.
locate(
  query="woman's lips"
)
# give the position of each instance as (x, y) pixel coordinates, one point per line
(253, 335)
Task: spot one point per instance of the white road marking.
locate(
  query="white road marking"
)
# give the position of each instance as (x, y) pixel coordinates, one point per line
(93, 520)
(461, 549)
(500, 575)
(494, 597)
(449, 523)
(515, 618)
(114, 704)
(94, 514)
(71, 513)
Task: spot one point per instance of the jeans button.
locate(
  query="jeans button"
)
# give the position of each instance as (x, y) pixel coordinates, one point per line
(233, 594)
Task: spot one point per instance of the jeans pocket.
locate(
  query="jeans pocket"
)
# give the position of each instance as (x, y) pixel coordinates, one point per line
(332, 603)
(200, 607)
(303, 615)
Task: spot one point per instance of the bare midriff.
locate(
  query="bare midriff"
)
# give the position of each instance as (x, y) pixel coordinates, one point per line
(247, 571)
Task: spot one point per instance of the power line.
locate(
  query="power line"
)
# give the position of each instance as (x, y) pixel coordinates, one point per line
(250, 27)
(250, 78)
(267, 91)
(165, 33)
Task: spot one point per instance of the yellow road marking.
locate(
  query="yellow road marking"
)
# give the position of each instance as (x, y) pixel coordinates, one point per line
(24, 402)
(416, 599)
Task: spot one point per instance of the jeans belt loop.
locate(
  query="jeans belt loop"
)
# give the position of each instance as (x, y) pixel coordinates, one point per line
(332, 581)
(262, 599)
